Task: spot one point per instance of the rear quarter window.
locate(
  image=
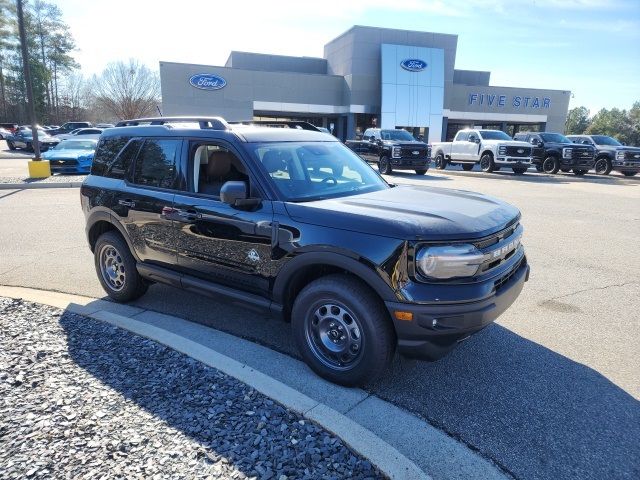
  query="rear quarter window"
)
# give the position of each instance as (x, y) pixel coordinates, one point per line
(155, 165)
(106, 154)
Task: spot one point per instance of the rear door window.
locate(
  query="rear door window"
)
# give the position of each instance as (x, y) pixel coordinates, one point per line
(155, 165)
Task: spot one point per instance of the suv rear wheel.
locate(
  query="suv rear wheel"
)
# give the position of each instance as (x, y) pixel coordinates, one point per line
(116, 268)
(603, 166)
(343, 330)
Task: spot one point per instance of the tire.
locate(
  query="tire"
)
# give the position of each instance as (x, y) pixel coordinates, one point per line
(579, 172)
(384, 166)
(28, 147)
(116, 268)
(519, 170)
(603, 166)
(440, 162)
(629, 174)
(11, 145)
(324, 312)
(420, 172)
(565, 170)
(486, 163)
(551, 165)
(467, 167)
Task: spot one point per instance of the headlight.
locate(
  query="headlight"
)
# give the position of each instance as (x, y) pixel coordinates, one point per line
(396, 152)
(449, 261)
(502, 150)
(620, 155)
(567, 152)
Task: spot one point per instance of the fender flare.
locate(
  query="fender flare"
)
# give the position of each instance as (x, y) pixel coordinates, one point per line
(105, 216)
(344, 262)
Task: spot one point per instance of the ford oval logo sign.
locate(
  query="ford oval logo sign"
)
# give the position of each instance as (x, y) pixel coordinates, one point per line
(207, 81)
(413, 64)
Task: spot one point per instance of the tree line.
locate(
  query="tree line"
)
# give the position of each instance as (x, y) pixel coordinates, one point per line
(125, 89)
(624, 125)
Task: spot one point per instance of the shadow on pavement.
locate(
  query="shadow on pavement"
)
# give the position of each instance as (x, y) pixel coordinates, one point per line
(537, 413)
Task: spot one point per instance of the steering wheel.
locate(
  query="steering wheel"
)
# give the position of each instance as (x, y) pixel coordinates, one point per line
(328, 179)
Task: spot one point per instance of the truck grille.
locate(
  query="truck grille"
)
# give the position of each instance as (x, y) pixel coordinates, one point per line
(582, 153)
(413, 152)
(498, 284)
(632, 155)
(513, 151)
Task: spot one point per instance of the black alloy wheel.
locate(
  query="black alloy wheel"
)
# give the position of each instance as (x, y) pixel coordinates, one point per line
(603, 166)
(486, 163)
(384, 166)
(440, 162)
(551, 165)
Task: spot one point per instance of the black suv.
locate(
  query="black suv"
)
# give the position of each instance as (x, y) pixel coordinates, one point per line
(293, 222)
(554, 151)
(392, 149)
(611, 154)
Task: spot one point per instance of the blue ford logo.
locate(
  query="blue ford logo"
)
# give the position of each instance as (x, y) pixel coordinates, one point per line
(413, 64)
(207, 81)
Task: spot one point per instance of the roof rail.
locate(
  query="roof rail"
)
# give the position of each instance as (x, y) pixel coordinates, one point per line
(300, 125)
(213, 123)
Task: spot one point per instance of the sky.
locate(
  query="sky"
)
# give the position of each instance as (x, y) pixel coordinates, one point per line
(591, 47)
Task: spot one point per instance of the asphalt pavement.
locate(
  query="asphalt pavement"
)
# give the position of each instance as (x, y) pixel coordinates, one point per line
(550, 391)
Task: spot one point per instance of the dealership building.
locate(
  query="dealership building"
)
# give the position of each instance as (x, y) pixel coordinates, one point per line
(368, 77)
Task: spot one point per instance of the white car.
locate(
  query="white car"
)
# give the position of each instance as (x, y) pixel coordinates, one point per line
(492, 149)
(81, 133)
(4, 134)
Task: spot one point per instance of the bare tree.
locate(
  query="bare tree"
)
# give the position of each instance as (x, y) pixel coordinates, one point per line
(127, 89)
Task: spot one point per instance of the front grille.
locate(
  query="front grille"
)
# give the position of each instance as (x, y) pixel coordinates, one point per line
(495, 238)
(632, 155)
(498, 284)
(63, 162)
(582, 153)
(408, 152)
(513, 151)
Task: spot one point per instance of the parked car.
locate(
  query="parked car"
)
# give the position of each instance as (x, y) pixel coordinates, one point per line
(11, 127)
(4, 133)
(71, 156)
(105, 125)
(553, 152)
(82, 132)
(293, 222)
(611, 154)
(24, 139)
(70, 126)
(392, 149)
(492, 149)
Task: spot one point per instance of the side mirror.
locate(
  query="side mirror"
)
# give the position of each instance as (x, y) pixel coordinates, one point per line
(234, 193)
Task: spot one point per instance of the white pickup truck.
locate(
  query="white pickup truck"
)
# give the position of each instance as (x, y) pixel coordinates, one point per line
(492, 149)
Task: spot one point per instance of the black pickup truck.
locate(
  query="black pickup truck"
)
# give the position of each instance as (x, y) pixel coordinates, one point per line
(611, 154)
(554, 151)
(392, 150)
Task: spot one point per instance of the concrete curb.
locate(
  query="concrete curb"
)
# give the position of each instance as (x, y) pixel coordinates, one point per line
(27, 186)
(386, 458)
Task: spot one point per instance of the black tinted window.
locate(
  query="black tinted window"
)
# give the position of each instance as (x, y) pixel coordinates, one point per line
(106, 153)
(155, 164)
(119, 167)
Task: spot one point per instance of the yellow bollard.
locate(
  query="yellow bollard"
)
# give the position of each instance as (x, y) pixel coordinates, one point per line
(39, 168)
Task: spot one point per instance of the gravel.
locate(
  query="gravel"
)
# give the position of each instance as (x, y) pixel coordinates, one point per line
(84, 399)
(56, 178)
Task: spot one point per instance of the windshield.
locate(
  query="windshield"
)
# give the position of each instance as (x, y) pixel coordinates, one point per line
(494, 135)
(305, 171)
(76, 145)
(29, 133)
(604, 140)
(554, 137)
(402, 135)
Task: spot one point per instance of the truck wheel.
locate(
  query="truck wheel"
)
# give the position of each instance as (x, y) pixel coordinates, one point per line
(603, 166)
(467, 166)
(519, 170)
(384, 166)
(11, 145)
(486, 163)
(565, 170)
(420, 171)
(28, 147)
(116, 268)
(551, 165)
(579, 172)
(343, 330)
(440, 162)
(629, 174)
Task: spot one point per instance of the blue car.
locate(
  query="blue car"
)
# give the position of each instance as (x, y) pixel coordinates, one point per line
(71, 156)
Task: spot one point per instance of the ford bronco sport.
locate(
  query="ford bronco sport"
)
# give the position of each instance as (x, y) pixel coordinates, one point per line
(292, 221)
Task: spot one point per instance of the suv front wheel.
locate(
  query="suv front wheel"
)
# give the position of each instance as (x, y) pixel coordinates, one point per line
(116, 268)
(343, 330)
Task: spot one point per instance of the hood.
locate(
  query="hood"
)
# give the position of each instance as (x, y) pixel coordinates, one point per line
(404, 143)
(411, 213)
(627, 148)
(514, 143)
(565, 145)
(66, 154)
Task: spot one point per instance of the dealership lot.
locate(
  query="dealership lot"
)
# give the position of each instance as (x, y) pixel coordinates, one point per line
(551, 390)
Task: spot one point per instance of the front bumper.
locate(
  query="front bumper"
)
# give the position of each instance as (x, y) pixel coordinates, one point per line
(626, 166)
(437, 328)
(524, 161)
(410, 163)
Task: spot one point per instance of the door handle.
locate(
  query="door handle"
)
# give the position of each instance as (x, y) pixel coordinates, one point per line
(189, 215)
(127, 203)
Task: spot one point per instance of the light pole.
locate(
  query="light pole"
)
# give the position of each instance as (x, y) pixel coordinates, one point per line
(37, 170)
